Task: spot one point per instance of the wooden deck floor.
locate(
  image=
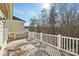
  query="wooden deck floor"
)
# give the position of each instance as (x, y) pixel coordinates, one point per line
(23, 47)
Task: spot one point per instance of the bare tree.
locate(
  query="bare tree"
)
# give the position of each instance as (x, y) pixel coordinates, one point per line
(52, 19)
(32, 24)
(63, 19)
(68, 14)
(44, 21)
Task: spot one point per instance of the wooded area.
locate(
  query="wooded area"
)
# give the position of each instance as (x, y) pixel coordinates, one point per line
(62, 18)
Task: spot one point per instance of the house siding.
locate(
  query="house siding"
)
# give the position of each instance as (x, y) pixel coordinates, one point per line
(15, 26)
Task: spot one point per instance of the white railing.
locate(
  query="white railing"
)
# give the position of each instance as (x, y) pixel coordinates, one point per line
(70, 45)
(67, 44)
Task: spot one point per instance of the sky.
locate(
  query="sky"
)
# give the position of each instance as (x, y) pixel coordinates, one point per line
(27, 10)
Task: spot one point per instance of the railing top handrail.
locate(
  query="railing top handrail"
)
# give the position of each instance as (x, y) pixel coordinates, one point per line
(45, 34)
(70, 37)
(50, 35)
(57, 36)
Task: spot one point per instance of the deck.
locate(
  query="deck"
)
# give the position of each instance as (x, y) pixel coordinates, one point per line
(39, 44)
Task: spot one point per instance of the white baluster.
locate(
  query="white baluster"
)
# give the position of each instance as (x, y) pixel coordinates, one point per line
(69, 44)
(73, 46)
(64, 43)
(77, 46)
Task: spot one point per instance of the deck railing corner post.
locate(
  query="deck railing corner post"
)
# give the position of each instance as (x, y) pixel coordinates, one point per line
(59, 41)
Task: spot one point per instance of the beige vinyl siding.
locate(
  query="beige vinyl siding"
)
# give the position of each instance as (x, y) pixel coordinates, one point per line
(15, 26)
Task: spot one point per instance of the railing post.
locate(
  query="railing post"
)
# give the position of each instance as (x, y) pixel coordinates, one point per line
(28, 35)
(41, 36)
(59, 41)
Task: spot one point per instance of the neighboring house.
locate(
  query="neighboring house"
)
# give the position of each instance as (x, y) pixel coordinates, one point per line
(16, 27)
